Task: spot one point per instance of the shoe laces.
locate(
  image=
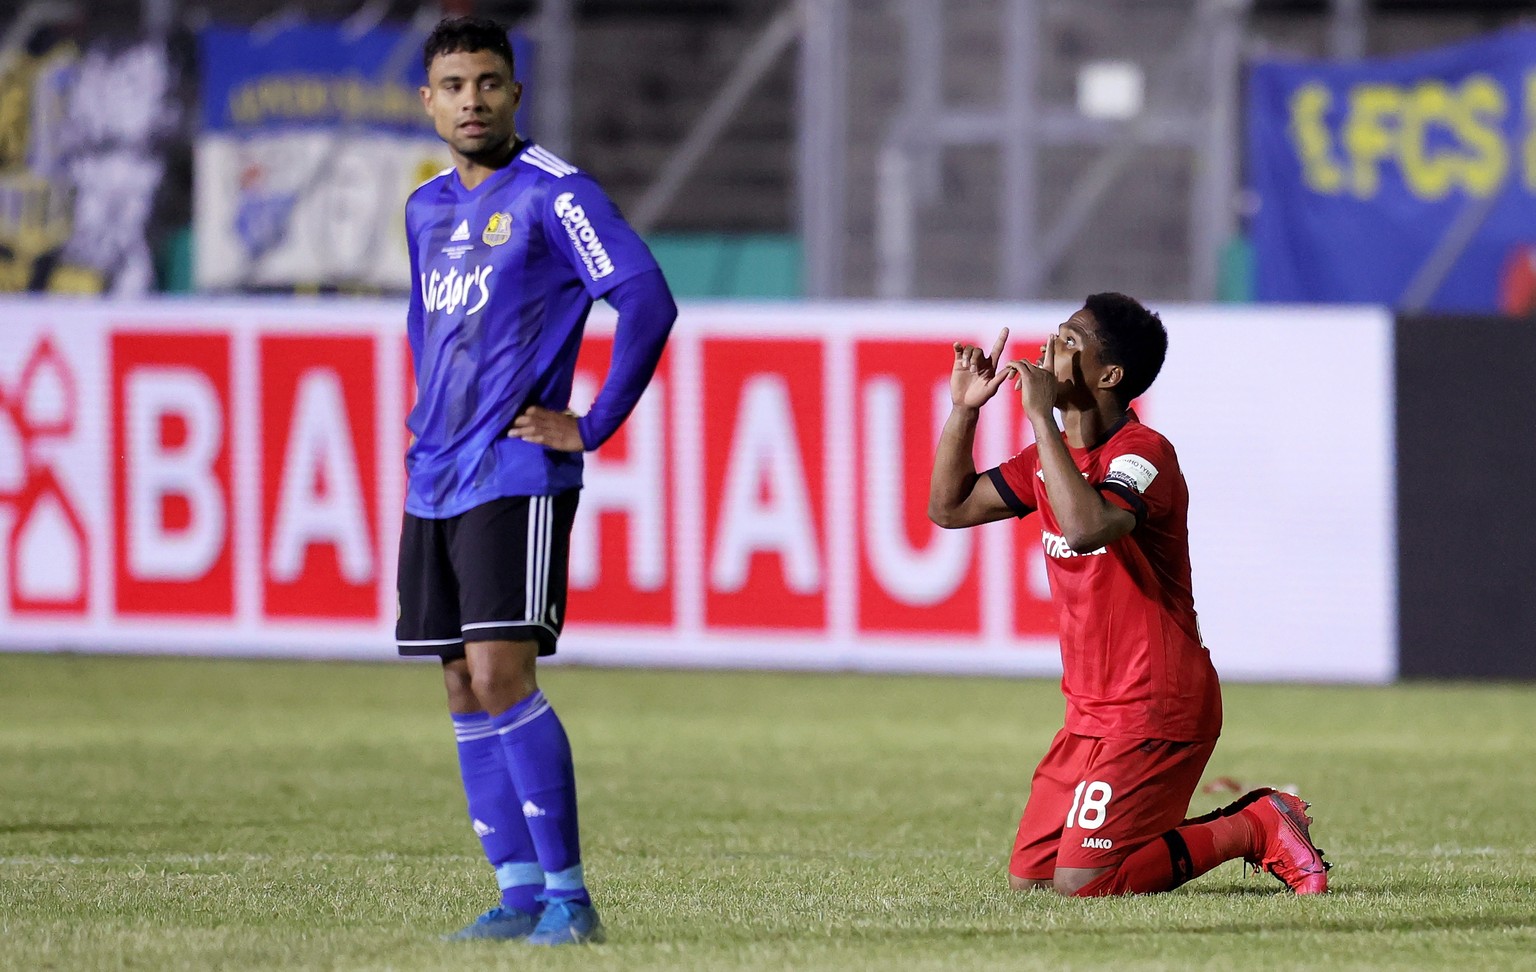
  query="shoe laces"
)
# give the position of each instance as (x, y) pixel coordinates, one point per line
(566, 909)
(1252, 867)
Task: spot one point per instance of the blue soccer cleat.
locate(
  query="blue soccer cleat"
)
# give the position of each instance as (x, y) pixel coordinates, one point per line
(568, 923)
(506, 924)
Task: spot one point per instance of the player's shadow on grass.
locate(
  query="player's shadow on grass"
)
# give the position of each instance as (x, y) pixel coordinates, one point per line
(1257, 889)
(50, 827)
(1407, 887)
(1414, 922)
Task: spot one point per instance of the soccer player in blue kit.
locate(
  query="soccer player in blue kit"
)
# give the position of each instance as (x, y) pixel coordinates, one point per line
(509, 248)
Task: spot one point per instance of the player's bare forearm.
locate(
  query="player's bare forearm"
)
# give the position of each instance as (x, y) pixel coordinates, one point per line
(954, 470)
(957, 496)
(1087, 522)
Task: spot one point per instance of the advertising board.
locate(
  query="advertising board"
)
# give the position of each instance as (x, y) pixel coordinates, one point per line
(225, 477)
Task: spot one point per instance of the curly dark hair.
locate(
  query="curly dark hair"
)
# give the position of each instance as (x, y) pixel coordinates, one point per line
(1133, 338)
(467, 34)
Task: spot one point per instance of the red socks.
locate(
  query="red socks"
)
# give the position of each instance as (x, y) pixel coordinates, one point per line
(1166, 862)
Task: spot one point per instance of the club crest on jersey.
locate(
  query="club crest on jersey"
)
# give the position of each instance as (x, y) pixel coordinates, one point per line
(498, 229)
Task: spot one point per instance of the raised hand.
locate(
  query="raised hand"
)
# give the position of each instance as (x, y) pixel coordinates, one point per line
(975, 377)
(1036, 383)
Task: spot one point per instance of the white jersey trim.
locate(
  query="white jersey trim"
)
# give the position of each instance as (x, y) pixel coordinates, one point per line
(545, 155)
(519, 623)
(540, 158)
(434, 178)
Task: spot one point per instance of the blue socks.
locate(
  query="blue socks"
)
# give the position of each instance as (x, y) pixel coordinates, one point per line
(493, 810)
(538, 757)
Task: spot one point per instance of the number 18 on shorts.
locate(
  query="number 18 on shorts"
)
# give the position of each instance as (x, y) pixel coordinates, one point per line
(1094, 800)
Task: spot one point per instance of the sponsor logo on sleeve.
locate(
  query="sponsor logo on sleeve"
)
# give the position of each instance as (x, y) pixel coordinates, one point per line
(1132, 471)
(448, 294)
(498, 229)
(589, 246)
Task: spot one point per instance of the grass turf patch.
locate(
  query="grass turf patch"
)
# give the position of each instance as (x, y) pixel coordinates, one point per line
(170, 814)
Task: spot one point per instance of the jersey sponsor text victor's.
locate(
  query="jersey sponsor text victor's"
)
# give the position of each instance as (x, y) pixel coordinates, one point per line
(505, 275)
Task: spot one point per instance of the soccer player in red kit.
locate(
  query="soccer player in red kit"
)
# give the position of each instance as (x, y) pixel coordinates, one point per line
(1106, 806)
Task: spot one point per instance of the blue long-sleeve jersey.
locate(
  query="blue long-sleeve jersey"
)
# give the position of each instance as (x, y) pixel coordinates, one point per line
(505, 275)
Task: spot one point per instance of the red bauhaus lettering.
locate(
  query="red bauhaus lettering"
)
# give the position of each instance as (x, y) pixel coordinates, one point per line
(765, 555)
(320, 547)
(171, 489)
(913, 576)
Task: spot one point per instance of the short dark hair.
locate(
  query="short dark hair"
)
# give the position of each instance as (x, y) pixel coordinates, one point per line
(468, 34)
(1133, 338)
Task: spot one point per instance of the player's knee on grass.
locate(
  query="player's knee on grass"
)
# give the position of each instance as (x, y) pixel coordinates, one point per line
(1070, 880)
(1027, 884)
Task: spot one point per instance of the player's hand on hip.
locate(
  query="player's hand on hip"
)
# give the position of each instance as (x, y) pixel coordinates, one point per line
(552, 430)
(1036, 384)
(975, 377)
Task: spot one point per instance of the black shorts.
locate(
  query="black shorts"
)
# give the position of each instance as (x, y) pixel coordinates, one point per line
(495, 573)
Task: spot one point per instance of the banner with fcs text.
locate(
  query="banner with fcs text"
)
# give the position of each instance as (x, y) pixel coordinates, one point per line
(1364, 171)
(226, 478)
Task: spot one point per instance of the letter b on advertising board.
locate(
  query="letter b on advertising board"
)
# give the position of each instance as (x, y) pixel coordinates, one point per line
(171, 448)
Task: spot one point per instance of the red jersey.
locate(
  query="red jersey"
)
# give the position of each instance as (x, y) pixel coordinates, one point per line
(1132, 662)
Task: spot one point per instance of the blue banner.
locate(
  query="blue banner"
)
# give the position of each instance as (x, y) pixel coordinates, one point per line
(321, 76)
(311, 76)
(312, 138)
(1371, 176)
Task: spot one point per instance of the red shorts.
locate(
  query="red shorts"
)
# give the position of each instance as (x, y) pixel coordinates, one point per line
(1093, 800)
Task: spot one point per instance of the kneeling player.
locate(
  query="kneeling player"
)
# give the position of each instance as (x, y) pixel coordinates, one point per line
(1106, 807)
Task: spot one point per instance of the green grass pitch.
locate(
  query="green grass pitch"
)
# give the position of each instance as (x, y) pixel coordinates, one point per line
(173, 814)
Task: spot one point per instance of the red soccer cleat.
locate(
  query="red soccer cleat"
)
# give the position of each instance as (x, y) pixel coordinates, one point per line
(1289, 853)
